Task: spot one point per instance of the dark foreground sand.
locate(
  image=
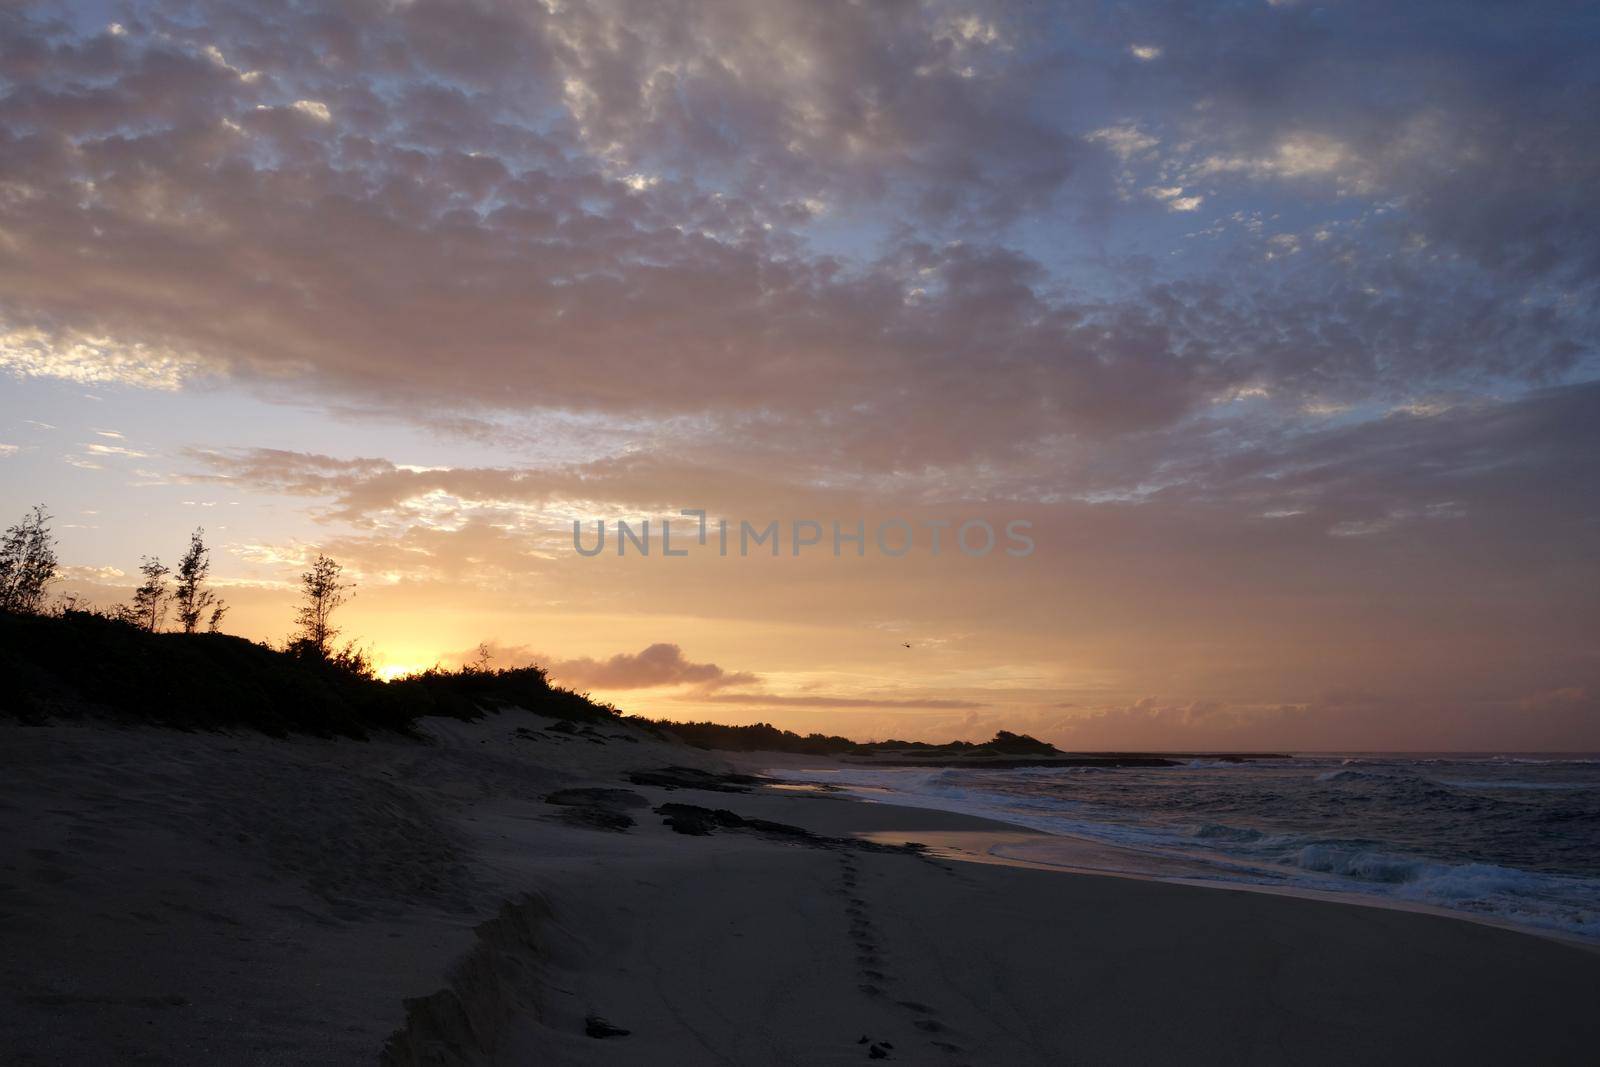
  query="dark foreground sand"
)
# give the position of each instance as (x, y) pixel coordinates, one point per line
(173, 898)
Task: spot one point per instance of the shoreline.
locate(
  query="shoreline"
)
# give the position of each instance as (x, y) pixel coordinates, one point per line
(911, 758)
(977, 847)
(193, 899)
(1178, 936)
(1078, 854)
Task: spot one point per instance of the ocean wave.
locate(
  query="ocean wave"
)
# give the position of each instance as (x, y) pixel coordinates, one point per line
(1360, 863)
(1397, 786)
(1349, 776)
(1548, 901)
(1576, 761)
(1218, 832)
(1492, 784)
(1368, 828)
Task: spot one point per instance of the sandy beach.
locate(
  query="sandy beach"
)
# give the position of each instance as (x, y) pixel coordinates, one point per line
(169, 897)
(799, 532)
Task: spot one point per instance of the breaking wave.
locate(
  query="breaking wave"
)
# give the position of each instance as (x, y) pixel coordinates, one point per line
(1514, 839)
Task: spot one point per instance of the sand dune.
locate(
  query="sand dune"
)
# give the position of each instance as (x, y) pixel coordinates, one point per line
(189, 899)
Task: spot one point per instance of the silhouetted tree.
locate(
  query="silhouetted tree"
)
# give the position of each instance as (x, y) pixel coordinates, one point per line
(322, 590)
(149, 607)
(216, 616)
(27, 563)
(192, 598)
(353, 660)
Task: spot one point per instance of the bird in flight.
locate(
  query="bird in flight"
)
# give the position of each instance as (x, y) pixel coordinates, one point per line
(907, 644)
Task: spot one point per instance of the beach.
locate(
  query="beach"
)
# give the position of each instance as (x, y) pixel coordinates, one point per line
(189, 898)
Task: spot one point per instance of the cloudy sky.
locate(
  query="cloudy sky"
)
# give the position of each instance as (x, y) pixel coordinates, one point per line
(1275, 320)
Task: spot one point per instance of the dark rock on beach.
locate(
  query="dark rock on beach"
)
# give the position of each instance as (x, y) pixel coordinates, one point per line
(700, 822)
(597, 797)
(697, 821)
(597, 818)
(693, 778)
(597, 808)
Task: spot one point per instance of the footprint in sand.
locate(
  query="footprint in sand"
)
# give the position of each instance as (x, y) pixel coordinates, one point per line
(869, 965)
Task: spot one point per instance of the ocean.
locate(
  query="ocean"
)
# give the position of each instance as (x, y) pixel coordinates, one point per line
(1510, 838)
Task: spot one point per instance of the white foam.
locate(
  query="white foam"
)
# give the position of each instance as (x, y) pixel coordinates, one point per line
(1238, 855)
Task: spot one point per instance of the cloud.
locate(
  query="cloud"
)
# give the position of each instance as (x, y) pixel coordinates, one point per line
(1126, 141)
(658, 665)
(114, 450)
(1465, 593)
(812, 700)
(1558, 699)
(1339, 720)
(316, 109)
(104, 575)
(1151, 724)
(924, 108)
(1560, 717)
(38, 351)
(610, 212)
(1276, 320)
(1483, 149)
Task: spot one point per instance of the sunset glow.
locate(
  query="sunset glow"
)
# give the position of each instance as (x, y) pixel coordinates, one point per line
(707, 532)
(1280, 343)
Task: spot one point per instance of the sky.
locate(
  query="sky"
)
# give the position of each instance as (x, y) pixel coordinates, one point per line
(1269, 327)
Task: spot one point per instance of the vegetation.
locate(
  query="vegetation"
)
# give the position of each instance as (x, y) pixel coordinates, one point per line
(322, 591)
(764, 737)
(193, 599)
(71, 662)
(148, 609)
(119, 663)
(27, 563)
(758, 737)
(81, 663)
